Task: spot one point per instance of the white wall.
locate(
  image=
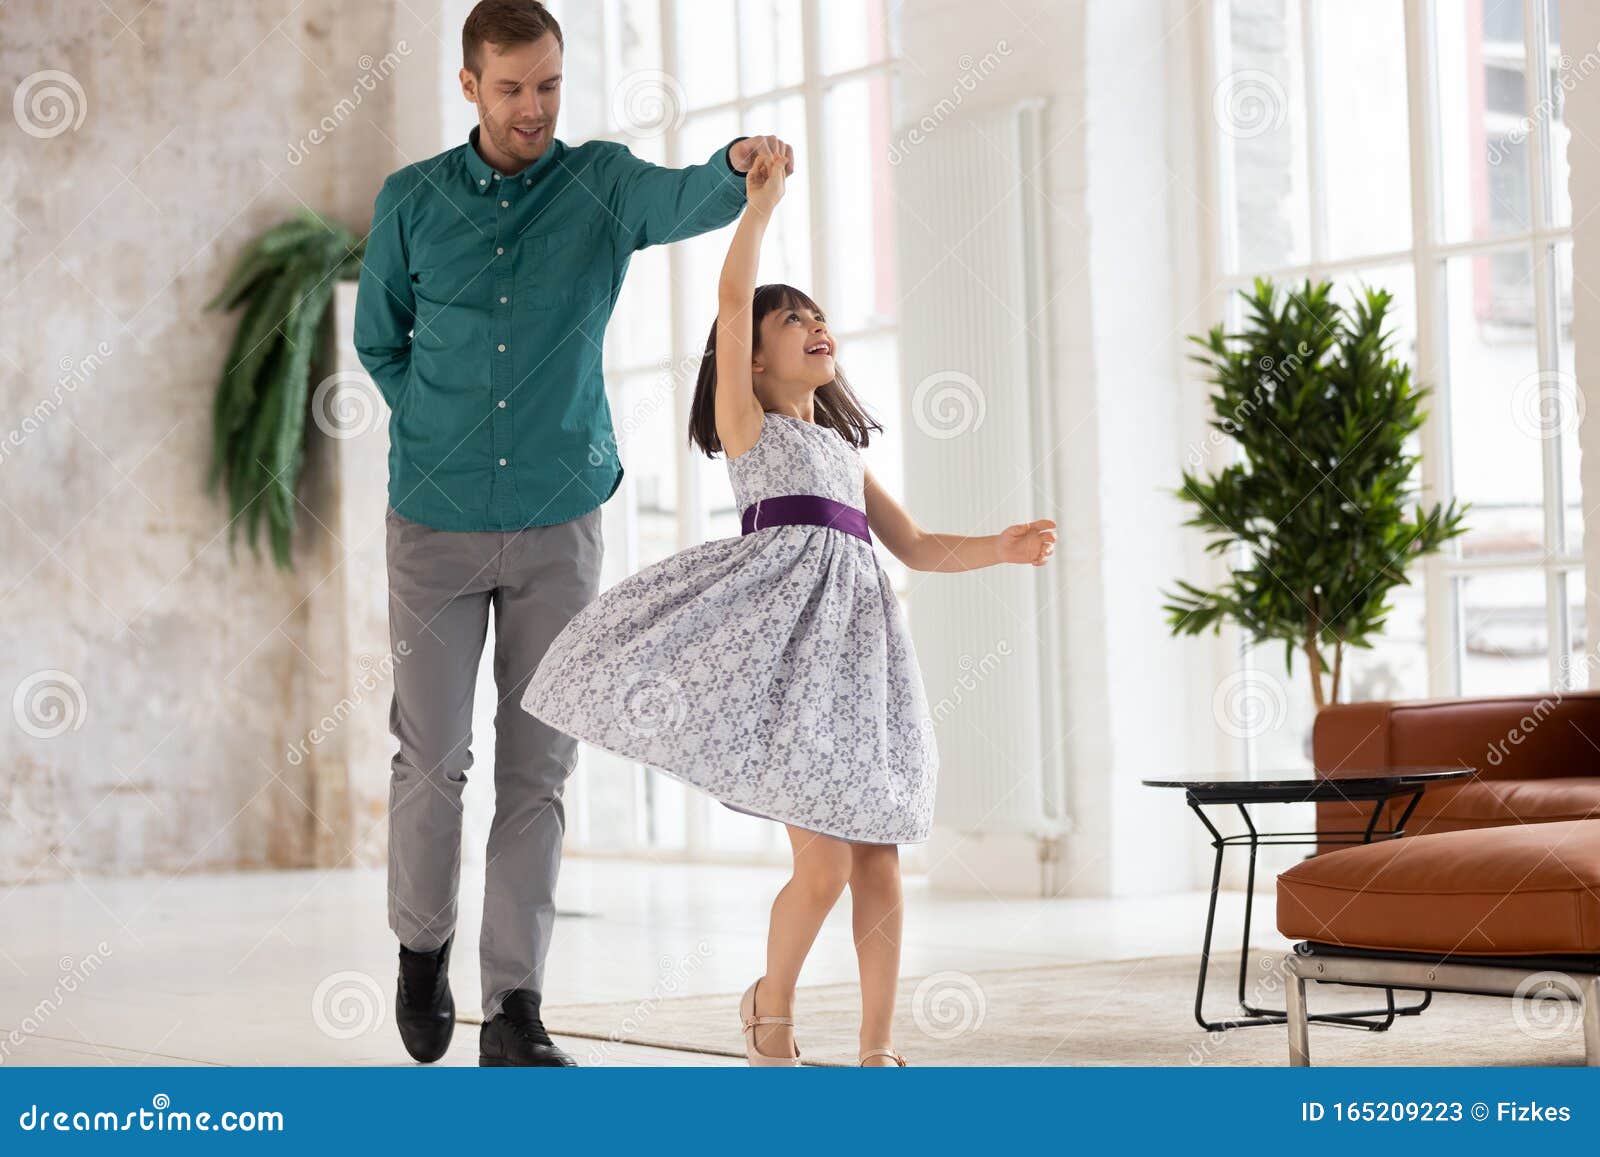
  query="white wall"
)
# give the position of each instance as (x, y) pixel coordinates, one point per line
(1103, 67)
(183, 670)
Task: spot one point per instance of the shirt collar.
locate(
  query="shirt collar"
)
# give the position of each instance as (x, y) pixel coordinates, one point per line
(484, 175)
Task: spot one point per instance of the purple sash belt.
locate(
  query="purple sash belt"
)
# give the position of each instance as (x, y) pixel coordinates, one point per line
(805, 510)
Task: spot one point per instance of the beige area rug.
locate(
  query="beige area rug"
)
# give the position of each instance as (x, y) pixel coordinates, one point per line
(1129, 1012)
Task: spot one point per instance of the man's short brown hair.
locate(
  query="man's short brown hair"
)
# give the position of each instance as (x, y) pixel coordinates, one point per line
(504, 23)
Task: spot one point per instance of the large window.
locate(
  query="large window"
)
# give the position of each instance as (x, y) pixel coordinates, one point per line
(1420, 146)
(674, 81)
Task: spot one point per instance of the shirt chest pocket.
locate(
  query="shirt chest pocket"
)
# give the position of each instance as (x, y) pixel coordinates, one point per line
(565, 268)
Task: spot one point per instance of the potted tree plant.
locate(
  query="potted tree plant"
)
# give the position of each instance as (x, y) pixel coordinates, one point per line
(285, 280)
(1317, 511)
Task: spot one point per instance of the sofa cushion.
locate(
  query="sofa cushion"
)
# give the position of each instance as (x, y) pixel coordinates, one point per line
(1517, 890)
(1489, 802)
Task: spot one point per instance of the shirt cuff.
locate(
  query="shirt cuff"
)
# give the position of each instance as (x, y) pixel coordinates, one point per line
(727, 153)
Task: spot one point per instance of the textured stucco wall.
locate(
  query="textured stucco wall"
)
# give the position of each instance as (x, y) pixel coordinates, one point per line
(153, 684)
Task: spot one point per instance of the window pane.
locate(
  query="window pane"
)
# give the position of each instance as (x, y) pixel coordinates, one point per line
(721, 516)
(666, 803)
(1400, 281)
(698, 260)
(1268, 708)
(1578, 672)
(770, 53)
(707, 51)
(786, 249)
(633, 36)
(647, 434)
(1502, 633)
(872, 367)
(640, 332)
(1561, 74)
(728, 831)
(856, 32)
(1495, 393)
(1483, 154)
(1396, 666)
(860, 242)
(1569, 416)
(1259, 107)
(1366, 142)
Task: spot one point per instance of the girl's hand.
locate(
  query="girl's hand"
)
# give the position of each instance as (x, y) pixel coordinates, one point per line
(1028, 542)
(764, 183)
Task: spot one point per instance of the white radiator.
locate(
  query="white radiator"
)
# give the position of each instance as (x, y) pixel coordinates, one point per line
(978, 432)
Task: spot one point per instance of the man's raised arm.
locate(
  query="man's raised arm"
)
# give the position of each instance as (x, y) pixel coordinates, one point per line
(657, 205)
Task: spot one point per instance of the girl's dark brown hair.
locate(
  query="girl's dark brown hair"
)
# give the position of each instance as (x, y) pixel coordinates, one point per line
(835, 405)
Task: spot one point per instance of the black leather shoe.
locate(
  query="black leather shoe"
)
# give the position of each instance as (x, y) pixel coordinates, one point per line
(424, 1009)
(515, 1035)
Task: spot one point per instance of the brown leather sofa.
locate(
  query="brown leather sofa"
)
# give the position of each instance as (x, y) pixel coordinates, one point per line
(1537, 759)
(1494, 890)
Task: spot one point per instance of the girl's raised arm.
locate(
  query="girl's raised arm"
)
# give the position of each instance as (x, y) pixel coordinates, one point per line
(738, 410)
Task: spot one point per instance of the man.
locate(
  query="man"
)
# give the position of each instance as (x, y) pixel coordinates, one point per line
(490, 273)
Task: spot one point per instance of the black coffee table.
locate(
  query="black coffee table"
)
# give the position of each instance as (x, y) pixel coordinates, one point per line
(1377, 787)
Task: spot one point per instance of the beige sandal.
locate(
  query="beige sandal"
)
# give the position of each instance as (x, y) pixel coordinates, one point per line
(898, 1059)
(747, 1013)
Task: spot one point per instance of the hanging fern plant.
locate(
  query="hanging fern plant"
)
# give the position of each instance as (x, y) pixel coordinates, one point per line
(285, 280)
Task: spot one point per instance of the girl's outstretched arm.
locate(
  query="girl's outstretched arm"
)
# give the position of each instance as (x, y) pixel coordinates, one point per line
(738, 410)
(1027, 542)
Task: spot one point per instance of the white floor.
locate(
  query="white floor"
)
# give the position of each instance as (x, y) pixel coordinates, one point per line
(298, 968)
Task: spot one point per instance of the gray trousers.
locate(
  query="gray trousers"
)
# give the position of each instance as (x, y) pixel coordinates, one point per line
(441, 586)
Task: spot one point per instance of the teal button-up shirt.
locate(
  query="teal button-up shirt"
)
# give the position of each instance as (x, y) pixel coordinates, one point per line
(481, 315)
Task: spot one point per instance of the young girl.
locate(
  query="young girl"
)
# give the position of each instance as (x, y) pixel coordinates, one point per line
(774, 670)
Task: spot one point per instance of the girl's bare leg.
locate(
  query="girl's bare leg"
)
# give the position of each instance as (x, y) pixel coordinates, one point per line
(876, 910)
(822, 867)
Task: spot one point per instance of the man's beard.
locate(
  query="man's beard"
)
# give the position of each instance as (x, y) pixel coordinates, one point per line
(508, 142)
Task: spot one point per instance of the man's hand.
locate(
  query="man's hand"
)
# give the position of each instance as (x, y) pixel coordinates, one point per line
(742, 153)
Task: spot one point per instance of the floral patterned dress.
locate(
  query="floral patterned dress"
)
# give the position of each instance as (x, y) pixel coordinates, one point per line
(772, 670)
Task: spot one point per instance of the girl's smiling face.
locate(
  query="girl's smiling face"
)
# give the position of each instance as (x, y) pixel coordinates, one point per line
(795, 354)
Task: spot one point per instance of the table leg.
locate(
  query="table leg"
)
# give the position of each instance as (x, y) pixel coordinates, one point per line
(1358, 1018)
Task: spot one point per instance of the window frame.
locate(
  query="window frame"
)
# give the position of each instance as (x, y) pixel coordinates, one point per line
(1442, 574)
(693, 511)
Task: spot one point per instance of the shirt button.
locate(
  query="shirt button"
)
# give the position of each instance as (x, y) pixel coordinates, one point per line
(505, 204)
(502, 403)
(527, 182)
(502, 349)
(481, 181)
(502, 301)
(502, 461)
(498, 251)
(497, 176)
